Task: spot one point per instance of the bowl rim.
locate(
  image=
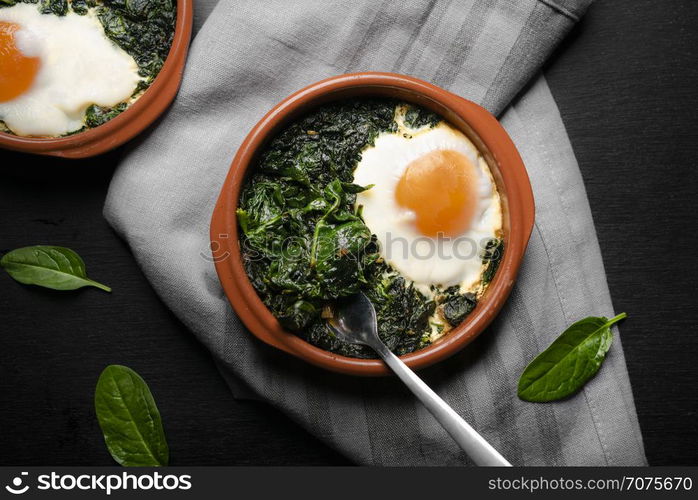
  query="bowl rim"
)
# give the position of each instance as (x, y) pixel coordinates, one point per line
(132, 121)
(478, 124)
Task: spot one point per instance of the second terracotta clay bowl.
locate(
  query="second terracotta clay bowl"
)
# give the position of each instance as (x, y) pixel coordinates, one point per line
(133, 120)
(474, 121)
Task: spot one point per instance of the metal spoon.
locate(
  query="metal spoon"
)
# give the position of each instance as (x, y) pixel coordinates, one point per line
(355, 322)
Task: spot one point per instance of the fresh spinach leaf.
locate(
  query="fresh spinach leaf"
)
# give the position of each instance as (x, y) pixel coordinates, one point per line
(569, 362)
(130, 419)
(53, 267)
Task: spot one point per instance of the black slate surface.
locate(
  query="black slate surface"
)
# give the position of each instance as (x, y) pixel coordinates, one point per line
(625, 82)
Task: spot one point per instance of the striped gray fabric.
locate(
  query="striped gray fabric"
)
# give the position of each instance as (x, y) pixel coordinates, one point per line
(247, 56)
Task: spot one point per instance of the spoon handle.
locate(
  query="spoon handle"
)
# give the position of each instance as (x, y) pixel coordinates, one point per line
(479, 450)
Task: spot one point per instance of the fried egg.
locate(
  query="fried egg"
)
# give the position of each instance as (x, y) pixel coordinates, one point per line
(53, 68)
(433, 204)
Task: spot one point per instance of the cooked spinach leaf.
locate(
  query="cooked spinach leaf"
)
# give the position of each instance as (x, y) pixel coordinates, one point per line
(97, 115)
(457, 306)
(81, 6)
(53, 267)
(305, 247)
(130, 419)
(418, 117)
(491, 257)
(57, 7)
(143, 28)
(569, 362)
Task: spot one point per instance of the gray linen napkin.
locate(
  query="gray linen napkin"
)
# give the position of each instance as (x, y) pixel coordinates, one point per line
(247, 56)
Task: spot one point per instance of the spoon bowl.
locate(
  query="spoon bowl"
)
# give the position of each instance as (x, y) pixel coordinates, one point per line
(355, 322)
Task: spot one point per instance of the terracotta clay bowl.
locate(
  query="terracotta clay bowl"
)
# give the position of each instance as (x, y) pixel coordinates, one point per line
(133, 120)
(475, 122)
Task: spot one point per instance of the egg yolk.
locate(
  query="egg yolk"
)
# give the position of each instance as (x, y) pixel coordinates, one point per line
(17, 72)
(441, 189)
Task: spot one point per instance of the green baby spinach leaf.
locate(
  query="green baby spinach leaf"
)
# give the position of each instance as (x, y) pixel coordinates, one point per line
(53, 267)
(129, 419)
(569, 362)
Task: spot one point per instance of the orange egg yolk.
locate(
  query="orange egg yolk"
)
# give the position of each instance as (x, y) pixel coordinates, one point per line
(441, 189)
(17, 71)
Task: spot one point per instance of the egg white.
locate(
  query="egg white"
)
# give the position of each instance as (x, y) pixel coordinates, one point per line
(80, 66)
(431, 263)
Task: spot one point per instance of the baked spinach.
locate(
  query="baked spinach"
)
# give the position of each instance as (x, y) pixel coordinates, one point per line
(142, 28)
(97, 115)
(569, 362)
(10, 3)
(130, 419)
(418, 117)
(81, 7)
(305, 246)
(457, 306)
(491, 257)
(57, 7)
(53, 267)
